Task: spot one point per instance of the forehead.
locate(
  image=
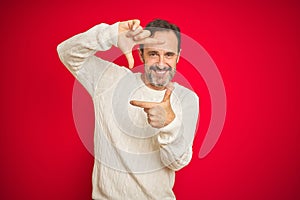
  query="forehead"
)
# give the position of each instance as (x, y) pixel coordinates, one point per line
(170, 42)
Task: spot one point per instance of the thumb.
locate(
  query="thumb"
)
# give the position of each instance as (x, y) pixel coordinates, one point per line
(130, 59)
(167, 95)
(170, 88)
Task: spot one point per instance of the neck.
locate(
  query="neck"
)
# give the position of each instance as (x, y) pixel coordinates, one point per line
(148, 84)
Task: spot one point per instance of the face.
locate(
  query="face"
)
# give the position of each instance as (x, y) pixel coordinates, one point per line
(160, 60)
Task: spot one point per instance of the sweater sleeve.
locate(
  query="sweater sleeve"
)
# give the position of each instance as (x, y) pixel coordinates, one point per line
(176, 139)
(78, 55)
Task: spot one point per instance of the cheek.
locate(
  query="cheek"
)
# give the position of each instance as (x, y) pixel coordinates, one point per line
(147, 68)
(173, 65)
(172, 62)
(149, 62)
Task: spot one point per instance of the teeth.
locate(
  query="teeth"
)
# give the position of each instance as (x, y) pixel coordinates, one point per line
(160, 72)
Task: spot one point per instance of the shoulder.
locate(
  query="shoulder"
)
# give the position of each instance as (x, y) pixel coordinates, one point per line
(184, 93)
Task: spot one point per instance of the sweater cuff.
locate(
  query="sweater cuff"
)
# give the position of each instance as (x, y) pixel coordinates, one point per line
(107, 35)
(113, 32)
(169, 133)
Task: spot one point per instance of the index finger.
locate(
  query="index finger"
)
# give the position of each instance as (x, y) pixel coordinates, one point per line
(150, 40)
(136, 24)
(143, 104)
(142, 35)
(133, 24)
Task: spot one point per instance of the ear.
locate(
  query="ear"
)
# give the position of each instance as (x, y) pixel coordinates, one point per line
(141, 56)
(178, 56)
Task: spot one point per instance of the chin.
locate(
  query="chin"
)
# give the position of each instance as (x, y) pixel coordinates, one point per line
(164, 84)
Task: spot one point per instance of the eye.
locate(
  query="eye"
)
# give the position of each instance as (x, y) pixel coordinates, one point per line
(152, 54)
(169, 55)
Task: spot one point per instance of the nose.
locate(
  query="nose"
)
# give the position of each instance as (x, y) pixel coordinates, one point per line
(161, 62)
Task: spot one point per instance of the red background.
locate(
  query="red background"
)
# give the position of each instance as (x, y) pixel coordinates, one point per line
(255, 45)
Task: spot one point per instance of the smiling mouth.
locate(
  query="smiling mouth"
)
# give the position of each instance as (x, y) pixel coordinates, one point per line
(160, 71)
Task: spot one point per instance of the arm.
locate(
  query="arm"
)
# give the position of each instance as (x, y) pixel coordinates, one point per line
(77, 53)
(177, 128)
(176, 139)
(76, 50)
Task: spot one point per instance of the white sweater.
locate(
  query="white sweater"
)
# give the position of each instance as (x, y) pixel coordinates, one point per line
(132, 159)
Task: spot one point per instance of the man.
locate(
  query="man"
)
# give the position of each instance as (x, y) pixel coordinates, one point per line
(144, 123)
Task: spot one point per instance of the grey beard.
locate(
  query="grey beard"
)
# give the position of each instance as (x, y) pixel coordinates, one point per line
(162, 84)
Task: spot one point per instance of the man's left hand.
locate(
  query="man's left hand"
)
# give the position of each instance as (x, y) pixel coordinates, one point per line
(159, 114)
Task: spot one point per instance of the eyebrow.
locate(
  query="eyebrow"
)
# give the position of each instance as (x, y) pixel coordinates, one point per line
(156, 52)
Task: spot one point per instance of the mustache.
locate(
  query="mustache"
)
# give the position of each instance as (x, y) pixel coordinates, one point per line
(156, 68)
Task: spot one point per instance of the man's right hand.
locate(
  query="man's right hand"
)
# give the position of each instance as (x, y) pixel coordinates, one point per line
(131, 34)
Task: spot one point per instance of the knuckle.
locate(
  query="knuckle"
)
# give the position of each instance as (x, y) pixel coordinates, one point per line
(151, 111)
(138, 37)
(158, 108)
(152, 118)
